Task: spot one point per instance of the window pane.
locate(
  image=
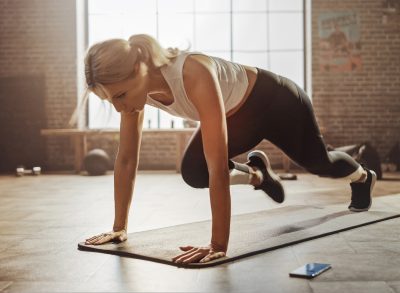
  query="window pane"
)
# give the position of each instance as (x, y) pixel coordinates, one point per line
(138, 6)
(289, 64)
(283, 36)
(102, 27)
(104, 7)
(139, 24)
(150, 117)
(102, 114)
(176, 30)
(166, 118)
(120, 6)
(212, 5)
(285, 5)
(249, 5)
(219, 25)
(249, 31)
(176, 6)
(253, 59)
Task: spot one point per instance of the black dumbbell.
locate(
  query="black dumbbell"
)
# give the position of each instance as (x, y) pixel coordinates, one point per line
(20, 171)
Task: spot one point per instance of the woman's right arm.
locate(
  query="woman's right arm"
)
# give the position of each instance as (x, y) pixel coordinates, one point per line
(125, 170)
(126, 165)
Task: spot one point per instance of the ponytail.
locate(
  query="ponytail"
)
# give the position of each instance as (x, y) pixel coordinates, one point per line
(150, 51)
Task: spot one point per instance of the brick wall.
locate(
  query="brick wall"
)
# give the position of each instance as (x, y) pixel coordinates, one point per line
(363, 105)
(37, 37)
(158, 148)
(158, 151)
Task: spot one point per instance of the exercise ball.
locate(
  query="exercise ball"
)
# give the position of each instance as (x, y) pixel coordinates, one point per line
(96, 162)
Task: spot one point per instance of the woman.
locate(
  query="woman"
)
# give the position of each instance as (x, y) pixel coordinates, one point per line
(238, 106)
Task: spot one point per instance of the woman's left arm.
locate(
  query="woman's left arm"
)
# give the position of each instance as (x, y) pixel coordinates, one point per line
(203, 90)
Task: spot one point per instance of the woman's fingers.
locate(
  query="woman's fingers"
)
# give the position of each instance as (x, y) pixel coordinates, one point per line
(104, 239)
(186, 256)
(102, 234)
(194, 258)
(93, 241)
(186, 248)
(99, 239)
(92, 238)
(212, 256)
(176, 258)
(197, 254)
(194, 255)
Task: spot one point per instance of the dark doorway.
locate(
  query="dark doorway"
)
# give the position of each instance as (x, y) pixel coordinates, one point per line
(22, 116)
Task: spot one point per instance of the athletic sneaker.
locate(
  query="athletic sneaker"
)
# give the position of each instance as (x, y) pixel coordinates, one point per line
(361, 193)
(271, 183)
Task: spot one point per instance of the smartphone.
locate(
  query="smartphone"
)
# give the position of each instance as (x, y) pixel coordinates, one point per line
(310, 270)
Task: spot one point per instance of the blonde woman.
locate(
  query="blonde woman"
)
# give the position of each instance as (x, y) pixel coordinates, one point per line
(238, 106)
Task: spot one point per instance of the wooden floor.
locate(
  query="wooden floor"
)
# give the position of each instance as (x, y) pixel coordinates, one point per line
(43, 218)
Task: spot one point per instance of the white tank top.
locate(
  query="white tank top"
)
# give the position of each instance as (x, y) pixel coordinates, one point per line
(232, 80)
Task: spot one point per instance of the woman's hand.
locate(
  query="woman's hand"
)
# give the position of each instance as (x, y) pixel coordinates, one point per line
(102, 238)
(197, 254)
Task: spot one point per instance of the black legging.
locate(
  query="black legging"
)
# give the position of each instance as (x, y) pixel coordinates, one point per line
(281, 112)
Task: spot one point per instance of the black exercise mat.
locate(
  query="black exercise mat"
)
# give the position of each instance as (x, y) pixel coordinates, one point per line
(251, 233)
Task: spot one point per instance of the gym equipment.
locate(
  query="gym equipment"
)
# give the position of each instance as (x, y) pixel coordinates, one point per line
(96, 162)
(20, 171)
(251, 233)
(287, 176)
(393, 158)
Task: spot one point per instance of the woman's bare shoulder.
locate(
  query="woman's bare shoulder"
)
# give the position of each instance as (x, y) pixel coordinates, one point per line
(196, 68)
(196, 63)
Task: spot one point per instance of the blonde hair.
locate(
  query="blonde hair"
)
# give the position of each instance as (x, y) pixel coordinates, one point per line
(115, 60)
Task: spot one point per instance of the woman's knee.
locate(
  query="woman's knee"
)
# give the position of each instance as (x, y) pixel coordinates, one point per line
(335, 165)
(319, 165)
(194, 174)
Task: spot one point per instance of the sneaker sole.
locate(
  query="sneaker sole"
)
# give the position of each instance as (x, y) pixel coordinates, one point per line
(274, 177)
(373, 180)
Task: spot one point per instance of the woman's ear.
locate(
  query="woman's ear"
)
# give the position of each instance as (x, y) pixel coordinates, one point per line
(142, 69)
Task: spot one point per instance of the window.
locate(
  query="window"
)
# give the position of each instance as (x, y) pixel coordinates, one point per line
(263, 33)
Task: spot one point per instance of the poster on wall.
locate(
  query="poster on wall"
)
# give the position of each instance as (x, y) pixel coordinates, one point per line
(339, 42)
(391, 13)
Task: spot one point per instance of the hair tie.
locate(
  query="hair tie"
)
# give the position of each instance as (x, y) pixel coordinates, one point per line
(89, 73)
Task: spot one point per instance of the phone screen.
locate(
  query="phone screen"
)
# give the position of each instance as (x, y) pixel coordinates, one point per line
(310, 270)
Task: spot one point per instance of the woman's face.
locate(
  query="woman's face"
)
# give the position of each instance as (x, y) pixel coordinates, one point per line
(130, 95)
